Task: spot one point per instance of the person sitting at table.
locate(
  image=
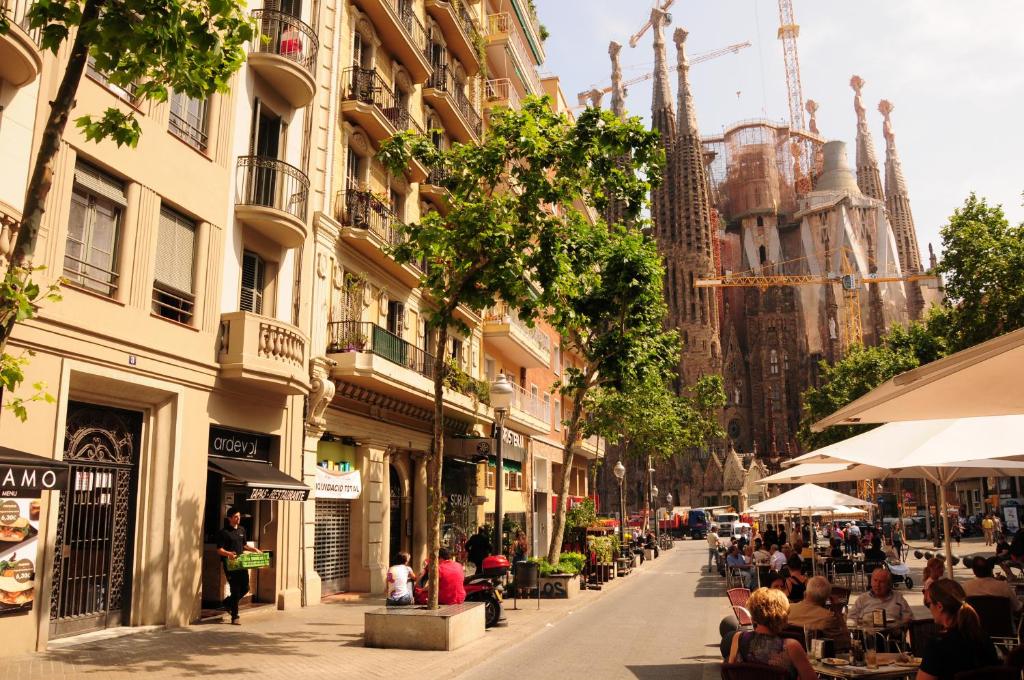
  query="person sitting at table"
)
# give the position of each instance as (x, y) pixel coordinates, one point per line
(933, 570)
(769, 610)
(984, 584)
(735, 560)
(796, 582)
(770, 536)
(777, 559)
(776, 581)
(837, 549)
(962, 644)
(881, 596)
(761, 555)
(812, 613)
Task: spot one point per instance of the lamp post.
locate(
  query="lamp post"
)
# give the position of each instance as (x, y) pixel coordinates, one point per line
(668, 504)
(654, 511)
(501, 398)
(620, 475)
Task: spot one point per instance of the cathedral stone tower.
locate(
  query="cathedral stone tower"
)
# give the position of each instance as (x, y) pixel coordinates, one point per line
(897, 202)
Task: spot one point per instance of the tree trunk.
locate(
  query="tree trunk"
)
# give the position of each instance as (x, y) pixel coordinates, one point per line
(562, 483)
(435, 465)
(42, 172)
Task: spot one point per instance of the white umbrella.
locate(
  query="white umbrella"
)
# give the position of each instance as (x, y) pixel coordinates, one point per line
(844, 511)
(984, 380)
(937, 450)
(807, 497)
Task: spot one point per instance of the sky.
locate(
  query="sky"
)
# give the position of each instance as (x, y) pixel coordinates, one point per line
(953, 69)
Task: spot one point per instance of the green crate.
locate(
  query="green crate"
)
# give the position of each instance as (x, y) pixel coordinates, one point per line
(249, 560)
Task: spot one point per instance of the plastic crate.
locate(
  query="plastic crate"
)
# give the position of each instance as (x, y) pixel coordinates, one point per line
(249, 560)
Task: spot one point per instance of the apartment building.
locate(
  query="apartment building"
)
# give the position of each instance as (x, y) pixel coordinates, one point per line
(177, 358)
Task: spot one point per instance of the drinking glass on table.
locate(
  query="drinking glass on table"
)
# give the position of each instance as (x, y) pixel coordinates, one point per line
(870, 649)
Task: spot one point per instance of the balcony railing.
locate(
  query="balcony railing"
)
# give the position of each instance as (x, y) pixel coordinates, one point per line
(503, 314)
(501, 91)
(270, 183)
(444, 81)
(363, 210)
(365, 85)
(412, 26)
(17, 15)
(438, 176)
(526, 402)
(286, 36)
(503, 24)
(362, 336)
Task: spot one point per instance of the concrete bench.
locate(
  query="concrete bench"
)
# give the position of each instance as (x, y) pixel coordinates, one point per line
(416, 627)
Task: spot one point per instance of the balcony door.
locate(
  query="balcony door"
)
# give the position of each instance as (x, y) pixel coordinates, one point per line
(265, 144)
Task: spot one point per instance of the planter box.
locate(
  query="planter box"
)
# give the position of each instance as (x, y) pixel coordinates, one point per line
(559, 586)
(414, 627)
(607, 571)
(648, 553)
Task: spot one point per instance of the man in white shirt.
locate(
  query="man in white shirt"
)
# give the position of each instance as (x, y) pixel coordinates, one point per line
(712, 539)
(777, 559)
(881, 596)
(984, 584)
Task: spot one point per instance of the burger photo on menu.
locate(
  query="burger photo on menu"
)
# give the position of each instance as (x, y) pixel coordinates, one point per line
(15, 592)
(14, 531)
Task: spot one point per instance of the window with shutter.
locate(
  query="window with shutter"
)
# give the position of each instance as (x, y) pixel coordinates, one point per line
(188, 120)
(173, 288)
(253, 274)
(90, 255)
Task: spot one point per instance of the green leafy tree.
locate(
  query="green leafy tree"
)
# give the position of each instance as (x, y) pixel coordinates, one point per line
(611, 316)
(983, 269)
(189, 47)
(500, 233)
(863, 369)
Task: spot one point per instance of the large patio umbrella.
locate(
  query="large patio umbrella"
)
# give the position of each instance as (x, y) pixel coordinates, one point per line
(806, 497)
(984, 380)
(940, 451)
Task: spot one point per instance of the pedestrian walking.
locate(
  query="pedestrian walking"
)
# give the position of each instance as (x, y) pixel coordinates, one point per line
(712, 548)
(231, 542)
(988, 527)
(478, 547)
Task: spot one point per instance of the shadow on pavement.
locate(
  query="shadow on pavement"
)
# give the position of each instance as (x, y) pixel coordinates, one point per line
(676, 671)
(709, 586)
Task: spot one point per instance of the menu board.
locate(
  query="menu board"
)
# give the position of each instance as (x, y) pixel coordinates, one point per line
(19, 533)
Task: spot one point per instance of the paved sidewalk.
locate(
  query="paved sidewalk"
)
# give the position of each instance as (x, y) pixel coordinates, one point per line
(325, 641)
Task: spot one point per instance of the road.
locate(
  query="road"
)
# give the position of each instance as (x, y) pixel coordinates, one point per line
(660, 622)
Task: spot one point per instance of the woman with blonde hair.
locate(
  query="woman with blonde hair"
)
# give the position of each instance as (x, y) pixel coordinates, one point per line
(769, 609)
(961, 644)
(933, 570)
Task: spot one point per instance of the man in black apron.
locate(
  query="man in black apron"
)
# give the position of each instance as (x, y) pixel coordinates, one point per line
(231, 544)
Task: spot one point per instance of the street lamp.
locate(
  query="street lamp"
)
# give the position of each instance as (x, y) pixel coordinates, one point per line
(620, 474)
(668, 504)
(501, 399)
(654, 511)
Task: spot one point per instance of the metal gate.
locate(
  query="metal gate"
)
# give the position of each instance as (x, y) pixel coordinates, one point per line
(95, 525)
(331, 544)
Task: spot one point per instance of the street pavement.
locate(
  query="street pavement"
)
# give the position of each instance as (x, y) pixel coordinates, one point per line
(661, 623)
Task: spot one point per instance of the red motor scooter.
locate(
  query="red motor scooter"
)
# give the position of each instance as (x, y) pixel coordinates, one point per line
(483, 587)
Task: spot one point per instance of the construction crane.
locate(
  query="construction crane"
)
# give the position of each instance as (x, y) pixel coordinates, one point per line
(635, 38)
(851, 280)
(594, 96)
(789, 31)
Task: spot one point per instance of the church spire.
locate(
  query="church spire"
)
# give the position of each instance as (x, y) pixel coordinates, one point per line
(618, 92)
(662, 115)
(897, 202)
(868, 178)
(687, 122)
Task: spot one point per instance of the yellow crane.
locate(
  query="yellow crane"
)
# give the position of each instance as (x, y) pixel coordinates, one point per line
(635, 38)
(850, 279)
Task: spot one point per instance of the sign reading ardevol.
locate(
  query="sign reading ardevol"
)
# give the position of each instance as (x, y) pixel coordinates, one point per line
(236, 444)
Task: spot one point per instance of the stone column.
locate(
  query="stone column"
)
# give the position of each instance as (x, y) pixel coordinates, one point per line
(419, 510)
(376, 515)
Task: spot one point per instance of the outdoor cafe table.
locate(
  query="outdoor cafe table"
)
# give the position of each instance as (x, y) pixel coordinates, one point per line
(886, 670)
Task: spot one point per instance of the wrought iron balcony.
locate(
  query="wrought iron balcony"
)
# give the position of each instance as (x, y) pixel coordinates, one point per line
(366, 86)
(271, 196)
(460, 116)
(362, 336)
(363, 210)
(459, 30)
(502, 32)
(400, 29)
(285, 55)
(501, 92)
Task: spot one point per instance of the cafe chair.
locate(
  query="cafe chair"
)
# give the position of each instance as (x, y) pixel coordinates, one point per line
(989, 673)
(752, 671)
(795, 633)
(843, 569)
(996, 614)
(921, 631)
(738, 596)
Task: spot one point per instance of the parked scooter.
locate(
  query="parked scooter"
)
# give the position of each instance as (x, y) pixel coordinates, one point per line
(483, 587)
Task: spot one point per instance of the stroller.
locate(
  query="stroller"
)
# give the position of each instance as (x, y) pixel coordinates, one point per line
(898, 570)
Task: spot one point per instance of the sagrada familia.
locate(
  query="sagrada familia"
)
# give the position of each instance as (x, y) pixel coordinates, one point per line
(823, 252)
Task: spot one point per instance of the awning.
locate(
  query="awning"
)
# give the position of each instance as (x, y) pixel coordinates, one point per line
(264, 481)
(26, 475)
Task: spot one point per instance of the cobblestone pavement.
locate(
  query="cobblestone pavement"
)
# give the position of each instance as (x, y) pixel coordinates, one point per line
(661, 621)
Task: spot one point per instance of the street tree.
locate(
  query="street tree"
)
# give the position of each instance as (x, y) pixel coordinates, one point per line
(611, 316)
(192, 47)
(650, 421)
(513, 201)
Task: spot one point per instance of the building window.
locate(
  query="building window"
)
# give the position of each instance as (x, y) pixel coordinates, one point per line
(773, 362)
(556, 360)
(534, 394)
(126, 93)
(490, 370)
(254, 272)
(173, 289)
(489, 477)
(547, 403)
(97, 206)
(188, 120)
(456, 354)
(558, 416)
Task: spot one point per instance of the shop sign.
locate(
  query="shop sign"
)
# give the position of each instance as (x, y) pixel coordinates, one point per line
(333, 484)
(18, 481)
(513, 438)
(235, 444)
(268, 494)
(1012, 521)
(19, 534)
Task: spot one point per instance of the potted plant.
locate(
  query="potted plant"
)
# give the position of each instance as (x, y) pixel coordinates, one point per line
(560, 581)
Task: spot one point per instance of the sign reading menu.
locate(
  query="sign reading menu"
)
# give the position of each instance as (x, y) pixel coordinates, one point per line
(19, 532)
